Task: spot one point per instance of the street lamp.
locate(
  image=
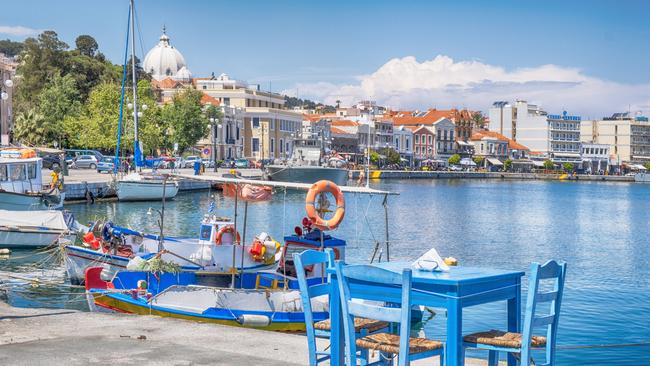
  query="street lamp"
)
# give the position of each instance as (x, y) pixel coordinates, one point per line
(8, 84)
(214, 125)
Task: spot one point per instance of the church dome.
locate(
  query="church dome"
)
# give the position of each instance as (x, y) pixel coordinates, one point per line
(164, 60)
(183, 74)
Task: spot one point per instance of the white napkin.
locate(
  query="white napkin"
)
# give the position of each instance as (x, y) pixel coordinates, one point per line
(431, 261)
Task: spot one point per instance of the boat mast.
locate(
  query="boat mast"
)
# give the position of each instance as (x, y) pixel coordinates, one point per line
(136, 148)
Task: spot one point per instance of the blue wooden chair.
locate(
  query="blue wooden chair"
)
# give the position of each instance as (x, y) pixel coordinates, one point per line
(521, 344)
(311, 289)
(370, 281)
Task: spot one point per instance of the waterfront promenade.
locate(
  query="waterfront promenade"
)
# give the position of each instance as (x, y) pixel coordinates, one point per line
(69, 337)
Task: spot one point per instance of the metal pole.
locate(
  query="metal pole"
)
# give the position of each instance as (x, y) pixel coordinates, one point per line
(161, 238)
(241, 275)
(232, 270)
(214, 144)
(368, 153)
(135, 88)
(385, 204)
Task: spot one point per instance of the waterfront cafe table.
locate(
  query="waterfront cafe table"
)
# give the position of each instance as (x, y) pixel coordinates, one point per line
(459, 288)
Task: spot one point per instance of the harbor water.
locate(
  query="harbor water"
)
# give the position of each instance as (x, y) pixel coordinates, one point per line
(600, 229)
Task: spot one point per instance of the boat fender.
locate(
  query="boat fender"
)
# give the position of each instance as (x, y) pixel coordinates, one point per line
(256, 321)
(257, 250)
(106, 234)
(5, 251)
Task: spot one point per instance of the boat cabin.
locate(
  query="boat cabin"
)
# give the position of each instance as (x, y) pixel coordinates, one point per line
(20, 171)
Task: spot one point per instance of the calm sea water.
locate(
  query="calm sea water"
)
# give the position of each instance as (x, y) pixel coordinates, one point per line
(600, 229)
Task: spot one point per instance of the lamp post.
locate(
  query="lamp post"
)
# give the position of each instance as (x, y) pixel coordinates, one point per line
(4, 96)
(215, 125)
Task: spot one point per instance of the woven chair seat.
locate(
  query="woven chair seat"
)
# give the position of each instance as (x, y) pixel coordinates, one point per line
(503, 339)
(369, 325)
(389, 343)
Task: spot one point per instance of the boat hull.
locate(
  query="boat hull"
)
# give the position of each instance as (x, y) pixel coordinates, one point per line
(307, 174)
(77, 259)
(145, 190)
(642, 177)
(12, 201)
(30, 238)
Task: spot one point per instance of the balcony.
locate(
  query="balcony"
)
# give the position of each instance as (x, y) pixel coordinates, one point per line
(230, 141)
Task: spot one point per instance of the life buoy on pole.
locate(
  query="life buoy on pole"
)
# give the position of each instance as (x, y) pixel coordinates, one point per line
(226, 229)
(323, 186)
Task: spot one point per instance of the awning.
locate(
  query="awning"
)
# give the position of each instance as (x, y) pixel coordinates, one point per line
(538, 163)
(566, 155)
(638, 167)
(494, 161)
(467, 161)
(463, 143)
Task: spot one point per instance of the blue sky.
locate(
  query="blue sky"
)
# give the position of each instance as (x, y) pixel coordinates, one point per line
(310, 46)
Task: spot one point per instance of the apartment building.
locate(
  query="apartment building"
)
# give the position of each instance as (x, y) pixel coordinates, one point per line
(522, 122)
(627, 135)
(564, 138)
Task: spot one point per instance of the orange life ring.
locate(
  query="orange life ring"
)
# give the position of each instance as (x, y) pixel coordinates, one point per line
(320, 187)
(226, 229)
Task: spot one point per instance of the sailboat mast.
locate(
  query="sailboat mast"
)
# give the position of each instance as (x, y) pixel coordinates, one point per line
(136, 149)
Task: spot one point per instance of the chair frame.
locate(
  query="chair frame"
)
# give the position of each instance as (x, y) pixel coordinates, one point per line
(372, 275)
(551, 270)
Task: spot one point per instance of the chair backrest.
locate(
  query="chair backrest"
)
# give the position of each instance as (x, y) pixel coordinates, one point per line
(301, 262)
(551, 271)
(364, 282)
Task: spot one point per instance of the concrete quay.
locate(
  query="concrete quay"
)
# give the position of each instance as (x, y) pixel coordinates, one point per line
(80, 180)
(31, 336)
(405, 174)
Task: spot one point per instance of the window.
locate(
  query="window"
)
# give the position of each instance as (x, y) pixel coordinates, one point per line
(287, 147)
(3, 173)
(17, 172)
(281, 146)
(417, 139)
(31, 171)
(256, 122)
(237, 133)
(273, 146)
(407, 143)
(417, 149)
(226, 101)
(451, 135)
(430, 140)
(256, 144)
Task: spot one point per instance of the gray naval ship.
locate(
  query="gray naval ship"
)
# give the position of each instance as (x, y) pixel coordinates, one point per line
(309, 164)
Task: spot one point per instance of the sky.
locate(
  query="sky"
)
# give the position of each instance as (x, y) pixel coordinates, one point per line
(587, 57)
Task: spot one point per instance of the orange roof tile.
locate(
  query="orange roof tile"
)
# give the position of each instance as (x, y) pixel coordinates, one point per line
(206, 99)
(344, 123)
(512, 144)
(167, 83)
(338, 131)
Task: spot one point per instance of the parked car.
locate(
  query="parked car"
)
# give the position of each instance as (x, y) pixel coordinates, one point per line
(455, 168)
(189, 161)
(52, 161)
(85, 162)
(208, 163)
(241, 163)
(106, 165)
(228, 163)
(73, 153)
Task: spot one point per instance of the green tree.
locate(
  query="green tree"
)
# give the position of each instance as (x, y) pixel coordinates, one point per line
(478, 119)
(29, 128)
(59, 99)
(479, 160)
(10, 48)
(374, 157)
(96, 126)
(548, 165)
(186, 118)
(454, 159)
(568, 167)
(86, 45)
(392, 156)
(647, 165)
(507, 164)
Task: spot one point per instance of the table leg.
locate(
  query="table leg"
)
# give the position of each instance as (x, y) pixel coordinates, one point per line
(337, 355)
(514, 317)
(454, 351)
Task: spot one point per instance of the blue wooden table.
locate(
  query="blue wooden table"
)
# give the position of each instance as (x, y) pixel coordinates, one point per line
(454, 290)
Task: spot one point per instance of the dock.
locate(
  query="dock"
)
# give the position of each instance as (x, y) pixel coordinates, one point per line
(30, 336)
(418, 174)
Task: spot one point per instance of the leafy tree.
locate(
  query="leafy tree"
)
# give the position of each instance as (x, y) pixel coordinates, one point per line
(41, 59)
(59, 99)
(86, 45)
(507, 164)
(186, 118)
(454, 159)
(392, 156)
(478, 160)
(478, 119)
(10, 48)
(96, 126)
(140, 73)
(568, 167)
(647, 165)
(548, 165)
(29, 128)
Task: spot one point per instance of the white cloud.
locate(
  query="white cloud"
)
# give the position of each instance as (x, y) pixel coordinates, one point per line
(405, 83)
(18, 30)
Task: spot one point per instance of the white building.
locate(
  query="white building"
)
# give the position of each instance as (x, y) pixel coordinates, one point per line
(595, 157)
(403, 142)
(445, 145)
(628, 136)
(564, 138)
(522, 122)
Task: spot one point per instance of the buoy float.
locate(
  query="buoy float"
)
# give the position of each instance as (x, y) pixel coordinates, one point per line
(252, 320)
(226, 229)
(319, 187)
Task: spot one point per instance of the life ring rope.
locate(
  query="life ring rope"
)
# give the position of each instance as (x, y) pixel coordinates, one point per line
(325, 186)
(226, 229)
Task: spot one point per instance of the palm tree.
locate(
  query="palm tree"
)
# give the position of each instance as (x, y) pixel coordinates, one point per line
(29, 128)
(338, 104)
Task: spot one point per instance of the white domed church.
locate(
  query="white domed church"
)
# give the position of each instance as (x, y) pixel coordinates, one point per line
(164, 61)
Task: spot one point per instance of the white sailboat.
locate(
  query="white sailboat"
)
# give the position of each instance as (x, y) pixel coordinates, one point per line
(139, 186)
(34, 229)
